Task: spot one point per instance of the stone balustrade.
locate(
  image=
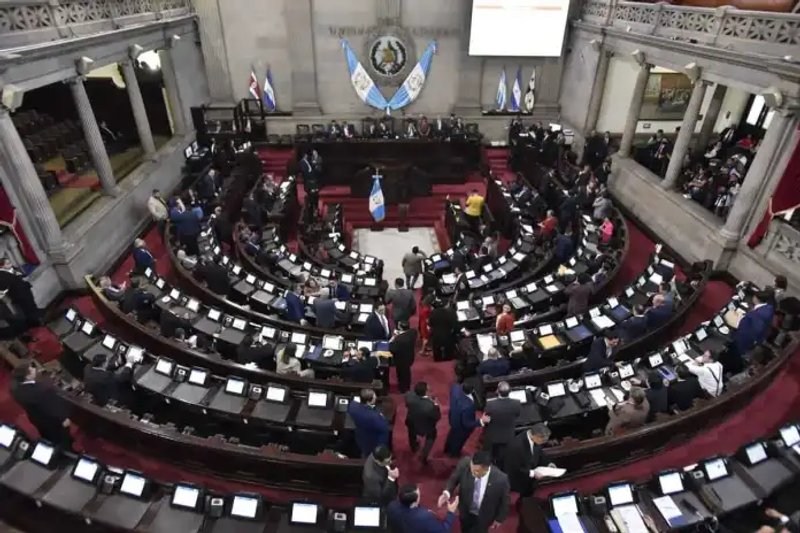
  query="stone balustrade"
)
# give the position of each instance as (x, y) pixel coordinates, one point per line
(773, 34)
(27, 22)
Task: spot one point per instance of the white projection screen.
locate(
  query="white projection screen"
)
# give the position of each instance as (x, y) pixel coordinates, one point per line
(518, 27)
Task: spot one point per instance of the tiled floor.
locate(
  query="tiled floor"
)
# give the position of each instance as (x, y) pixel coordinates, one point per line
(391, 245)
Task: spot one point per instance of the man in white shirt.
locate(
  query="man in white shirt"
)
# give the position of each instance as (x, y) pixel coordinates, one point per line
(158, 209)
(709, 373)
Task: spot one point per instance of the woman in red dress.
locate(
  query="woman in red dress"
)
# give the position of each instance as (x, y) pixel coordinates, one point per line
(424, 313)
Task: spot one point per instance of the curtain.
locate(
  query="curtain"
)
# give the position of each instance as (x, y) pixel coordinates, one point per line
(785, 198)
(9, 219)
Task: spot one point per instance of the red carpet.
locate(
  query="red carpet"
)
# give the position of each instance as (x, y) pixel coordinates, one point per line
(779, 403)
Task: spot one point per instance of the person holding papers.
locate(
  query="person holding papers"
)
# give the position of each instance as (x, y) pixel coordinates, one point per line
(523, 456)
(372, 429)
(630, 414)
(405, 514)
(601, 354)
(482, 491)
(709, 373)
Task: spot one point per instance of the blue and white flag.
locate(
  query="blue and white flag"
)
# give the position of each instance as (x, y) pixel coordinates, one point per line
(376, 207)
(270, 104)
(516, 91)
(364, 86)
(411, 88)
(500, 100)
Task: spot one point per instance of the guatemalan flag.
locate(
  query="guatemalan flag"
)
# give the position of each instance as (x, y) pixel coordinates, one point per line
(501, 91)
(516, 92)
(364, 86)
(270, 104)
(411, 88)
(376, 207)
(253, 88)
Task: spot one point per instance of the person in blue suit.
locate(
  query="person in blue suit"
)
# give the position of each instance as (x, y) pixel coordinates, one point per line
(659, 314)
(142, 258)
(752, 330)
(187, 226)
(376, 327)
(601, 354)
(494, 365)
(634, 326)
(295, 308)
(462, 418)
(405, 515)
(372, 429)
(564, 247)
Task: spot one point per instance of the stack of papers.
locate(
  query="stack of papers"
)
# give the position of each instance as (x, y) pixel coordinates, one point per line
(669, 510)
(548, 471)
(569, 523)
(628, 519)
(598, 397)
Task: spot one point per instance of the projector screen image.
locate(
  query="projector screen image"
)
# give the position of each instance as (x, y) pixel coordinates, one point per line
(518, 27)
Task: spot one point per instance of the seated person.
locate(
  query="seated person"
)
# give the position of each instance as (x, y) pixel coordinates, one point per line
(180, 336)
(137, 300)
(169, 322)
(325, 312)
(657, 394)
(709, 373)
(411, 129)
(115, 293)
(253, 351)
(682, 393)
(361, 367)
(525, 356)
(188, 262)
(102, 382)
(630, 414)
(287, 363)
(494, 365)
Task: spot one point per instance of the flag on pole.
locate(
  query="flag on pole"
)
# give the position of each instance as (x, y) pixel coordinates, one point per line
(530, 97)
(500, 100)
(516, 92)
(270, 104)
(364, 86)
(411, 88)
(253, 88)
(376, 207)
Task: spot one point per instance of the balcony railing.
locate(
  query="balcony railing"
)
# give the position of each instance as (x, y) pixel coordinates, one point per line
(775, 34)
(24, 22)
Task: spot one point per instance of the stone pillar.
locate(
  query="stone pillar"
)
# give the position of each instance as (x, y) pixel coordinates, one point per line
(711, 116)
(173, 92)
(91, 130)
(139, 111)
(598, 89)
(28, 186)
(765, 164)
(301, 56)
(688, 125)
(635, 108)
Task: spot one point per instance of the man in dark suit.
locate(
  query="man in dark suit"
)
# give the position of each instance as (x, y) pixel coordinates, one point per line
(142, 258)
(753, 329)
(422, 414)
(137, 300)
(207, 186)
(404, 303)
(46, 410)
(659, 314)
(682, 393)
(105, 384)
(443, 322)
(361, 367)
(379, 477)
(634, 326)
(564, 247)
(494, 365)
(376, 327)
(601, 354)
(405, 514)
(253, 350)
(372, 429)
(657, 395)
(214, 275)
(482, 491)
(20, 293)
(295, 308)
(524, 454)
(462, 418)
(403, 346)
(503, 413)
(325, 312)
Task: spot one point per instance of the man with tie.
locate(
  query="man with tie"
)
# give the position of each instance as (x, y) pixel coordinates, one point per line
(376, 327)
(405, 514)
(753, 329)
(523, 455)
(142, 258)
(403, 347)
(482, 491)
(462, 418)
(503, 413)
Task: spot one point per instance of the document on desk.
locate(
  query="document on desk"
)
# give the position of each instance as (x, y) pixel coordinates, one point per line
(548, 471)
(598, 397)
(628, 519)
(569, 523)
(669, 510)
(618, 394)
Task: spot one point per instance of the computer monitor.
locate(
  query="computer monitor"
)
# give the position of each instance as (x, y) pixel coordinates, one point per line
(554, 390)
(187, 152)
(298, 338)
(655, 360)
(670, 483)
(367, 516)
(571, 322)
(214, 314)
(71, 315)
(592, 381)
(332, 342)
(235, 386)
(756, 453)
(318, 399)
(86, 469)
(87, 327)
(304, 513)
(276, 394)
(519, 394)
(165, 366)
(198, 376)
(790, 435)
(245, 506)
(133, 484)
(518, 335)
(625, 371)
(620, 494)
(109, 342)
(43, 453)
(715, 468)
(186, 496)
(562, 504)
(7, 436)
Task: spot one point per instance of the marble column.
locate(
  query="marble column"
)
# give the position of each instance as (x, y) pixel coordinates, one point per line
(634, 109)
(765, 164)
(711, 116)
(139, 111)
(91, 130)
(169, 74)
(598, 90)
(688, 125)
(28, 187)
(301, 55)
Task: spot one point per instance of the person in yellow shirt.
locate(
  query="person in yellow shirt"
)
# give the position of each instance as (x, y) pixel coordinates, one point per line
(473, 209)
